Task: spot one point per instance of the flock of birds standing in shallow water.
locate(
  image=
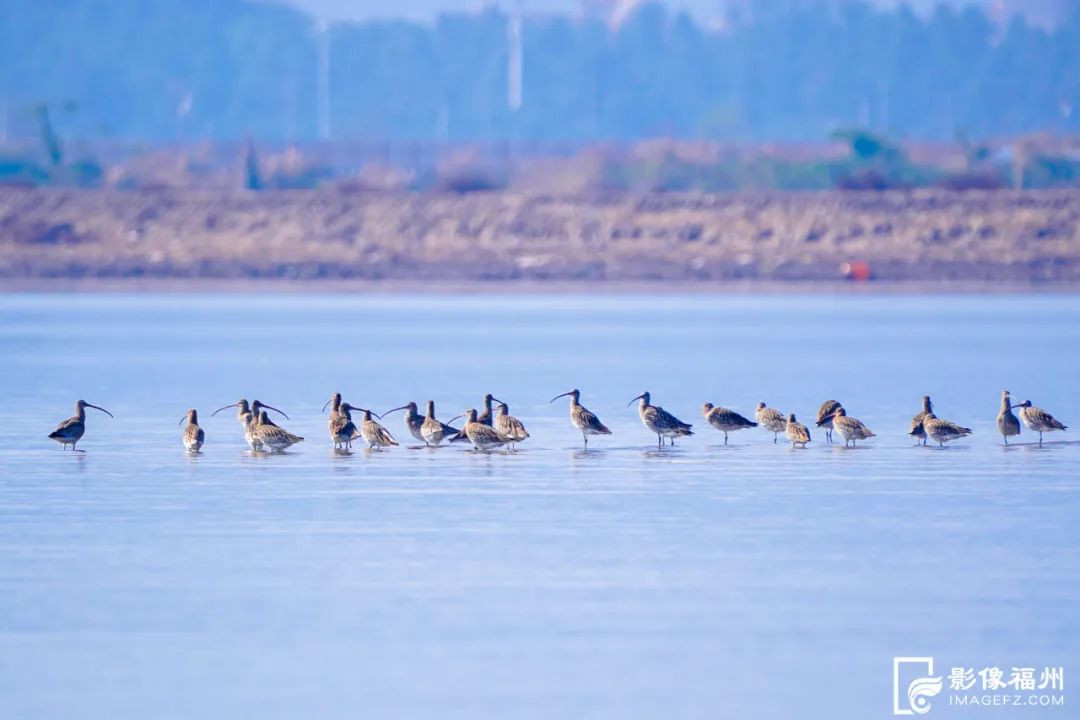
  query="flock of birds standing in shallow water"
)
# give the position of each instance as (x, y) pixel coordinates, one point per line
(494, 429)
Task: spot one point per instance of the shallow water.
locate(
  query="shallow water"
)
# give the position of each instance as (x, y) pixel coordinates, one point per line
(750, 580)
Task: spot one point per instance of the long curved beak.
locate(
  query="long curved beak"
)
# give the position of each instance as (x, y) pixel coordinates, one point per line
(182, 419)
(456, 417)
(324, 406)
(235, 404)
(403, 407)
(100, 408)
(369, 411)
(271, 407)
(498, 400)
(559, 396)
(634, 400)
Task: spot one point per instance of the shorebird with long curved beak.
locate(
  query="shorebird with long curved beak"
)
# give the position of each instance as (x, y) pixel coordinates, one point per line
(483, 437)
(433, 431)
(825, 415)
(342, 428)
(849, 428)
(917, 430)
(796, 432)
(414, 421)
(270, 435)
(771, 419)
(660, 421)
(582, 418)
(193, 434)
(1007, 423)
(70, 431)
(942, 430)
(374, 434)
(1039, 420)
(509, 425)
(245, 412)
(486, 417)
(725, 420)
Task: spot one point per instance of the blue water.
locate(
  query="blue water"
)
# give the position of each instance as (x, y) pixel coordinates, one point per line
(702, 581)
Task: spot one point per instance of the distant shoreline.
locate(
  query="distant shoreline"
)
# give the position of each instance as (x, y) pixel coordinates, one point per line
(491, 287)
(507, 241)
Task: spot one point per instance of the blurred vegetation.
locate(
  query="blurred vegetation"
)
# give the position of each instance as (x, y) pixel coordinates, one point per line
(791, 70)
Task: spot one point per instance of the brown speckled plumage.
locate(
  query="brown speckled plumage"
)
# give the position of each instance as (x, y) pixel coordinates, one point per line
(194, 437)
(917, 431)
(1039, 420)
(942, 431)
(660, 421)
(725, 420)
(850, 428)
(796, 432)
(584, 420)
(771, 419)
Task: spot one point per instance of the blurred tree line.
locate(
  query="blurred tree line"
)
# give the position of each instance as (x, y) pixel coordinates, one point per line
(179, 70)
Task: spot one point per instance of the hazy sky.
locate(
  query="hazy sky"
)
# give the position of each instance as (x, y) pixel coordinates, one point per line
(706, 10)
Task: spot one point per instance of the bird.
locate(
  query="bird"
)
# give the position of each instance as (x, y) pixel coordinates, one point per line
(70, 431)
(486, 417)
(796, 431)
(942, 430)
(269, 435)
(193, 434)
(335, 403)
(483, 437)
(245, 412)
(1039, 420)
(414, 421)
(917, 431)
(825, 416)
(772, 420)
(660, 421)
(1007, 423)
(850, 428)
(582, 418)
(342, 428)
(434, 431)
(509, 425)
(374, 434)
(725, 420)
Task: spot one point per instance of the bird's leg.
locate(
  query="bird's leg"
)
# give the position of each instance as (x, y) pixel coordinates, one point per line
(585, 438)
(725, 437)
(1006, 439)
(774, 436)
(659, 441)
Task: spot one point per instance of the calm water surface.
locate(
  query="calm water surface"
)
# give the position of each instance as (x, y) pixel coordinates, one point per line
(702, 581)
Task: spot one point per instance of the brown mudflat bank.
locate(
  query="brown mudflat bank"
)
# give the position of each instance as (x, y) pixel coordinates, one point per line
(179, 235)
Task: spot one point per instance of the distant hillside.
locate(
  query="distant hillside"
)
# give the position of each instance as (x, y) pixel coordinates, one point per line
(180, 70)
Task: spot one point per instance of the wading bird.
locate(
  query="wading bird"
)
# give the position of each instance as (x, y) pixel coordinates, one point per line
(825, 415)
(942, 430)
(796, 432)
(917, 430)
(374, 434)
(850, 428)
(582, 418)
(509, 425)
(725, 420)
(71, 430)
(660, 421)
(245, 412)
(434, 431)
(193, 434)
(342, 428)
(486, 417)
(770, 419)
(483, 437)
(414, 421)
(1007, 423)
(271, 436)
(1039, 420)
